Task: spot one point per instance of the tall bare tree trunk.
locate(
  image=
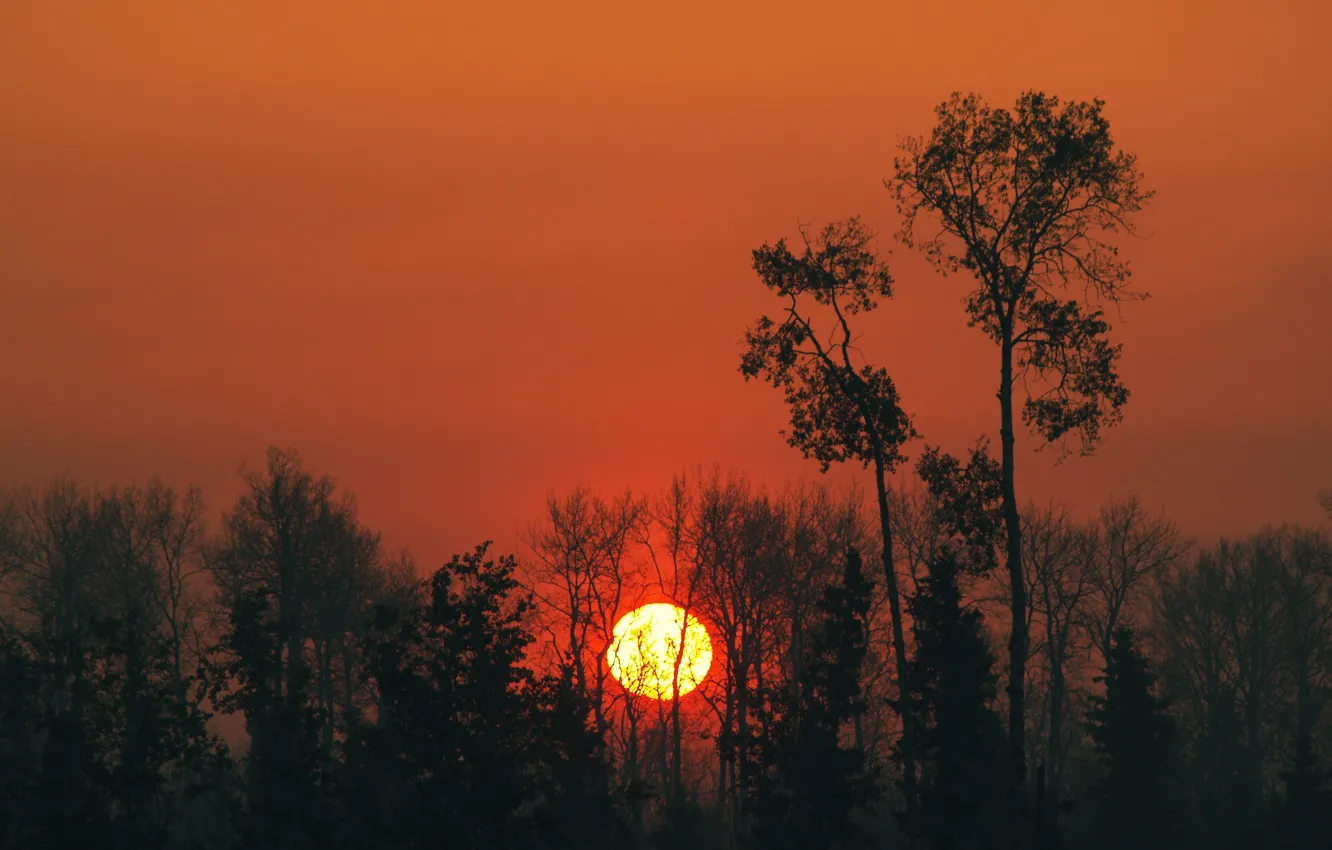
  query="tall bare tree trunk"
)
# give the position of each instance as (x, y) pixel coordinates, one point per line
(899, 641)
(1017, 643)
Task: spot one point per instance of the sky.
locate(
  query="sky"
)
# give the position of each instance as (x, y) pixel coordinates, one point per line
(462, 255)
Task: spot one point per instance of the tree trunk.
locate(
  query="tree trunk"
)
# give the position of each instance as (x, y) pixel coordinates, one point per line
(740, 747)
(725, 754)
(677, 755)
(1054, 745)
(899, 642)
(1017, 643)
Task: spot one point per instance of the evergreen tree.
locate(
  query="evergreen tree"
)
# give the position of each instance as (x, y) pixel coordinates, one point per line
(954, 683)
(576, 807)
(1225, 797)
(1136, 745)
(21, 732)
(1304, 814)
(809, 784)
(469, 748)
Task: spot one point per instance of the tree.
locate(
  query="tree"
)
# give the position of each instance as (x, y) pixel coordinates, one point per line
(954, 686)
(1221, 622)
(576, 803)
(1025, 202)
(1303, 564)
(582, 575)
(919, 529)
(296, 575)
(1129, 548)
(1303, 818)
(839, 411)
(1055, 555)
(809, 784)
(104, 723)
(470, 748)
(1136, 743)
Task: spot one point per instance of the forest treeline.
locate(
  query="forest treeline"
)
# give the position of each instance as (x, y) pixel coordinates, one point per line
(1171, 686)
(939, 662)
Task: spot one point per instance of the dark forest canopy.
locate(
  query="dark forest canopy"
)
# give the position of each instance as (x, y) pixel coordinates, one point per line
(384, 706)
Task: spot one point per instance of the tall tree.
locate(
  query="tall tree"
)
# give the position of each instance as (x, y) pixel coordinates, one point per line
(1221, 624)
(1055, 554)
(1303, 560)
(962, 748)
(1026, 202)
(1136, 742)
(104, 716)
(582, 575)
(841, 410)
(296, 575)
(470, 748)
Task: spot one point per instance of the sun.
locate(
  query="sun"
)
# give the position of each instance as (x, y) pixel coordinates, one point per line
(645, 645)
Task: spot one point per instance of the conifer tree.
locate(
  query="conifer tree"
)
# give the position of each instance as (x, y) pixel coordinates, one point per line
(455, 726)
(1304, 813)
(1136, 746)
(962, 740)
(811, 784)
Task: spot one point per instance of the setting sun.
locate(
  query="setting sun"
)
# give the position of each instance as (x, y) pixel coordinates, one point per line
(646, 644)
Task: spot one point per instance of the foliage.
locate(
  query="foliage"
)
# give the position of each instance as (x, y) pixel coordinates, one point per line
(1137, 745)
(953, 681)
(966, 498)
(810, 786)
(444, 733)
(1026, 201)
(839, 412)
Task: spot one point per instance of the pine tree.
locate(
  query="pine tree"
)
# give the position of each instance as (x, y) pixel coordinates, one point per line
(576, 808)
(954, 684)
(1224, 790)
(469, 748)
(1304, 813)
(1136, 746)
(809, 784)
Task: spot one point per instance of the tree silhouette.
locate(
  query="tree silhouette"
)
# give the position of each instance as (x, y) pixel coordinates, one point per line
(576, 808)
(1221, 626)
(469, 747)
(1137, 746)
(954, 683)
(1303, 818)
(1303, 565)
(809, 784)
(102, 729)
(293, 568)
(839, 411)
(1025, 202)
(452, 726)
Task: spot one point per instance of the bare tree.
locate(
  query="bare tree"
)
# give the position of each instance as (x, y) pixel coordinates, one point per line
(919, 532)
(1302, 562)
(296, 574)
(583, 572)
(677, 568)
(1055, 557)
(1221, 627)
(1130, 547)
(177, 534)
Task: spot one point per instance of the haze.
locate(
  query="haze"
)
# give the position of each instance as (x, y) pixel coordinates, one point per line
(463, 254)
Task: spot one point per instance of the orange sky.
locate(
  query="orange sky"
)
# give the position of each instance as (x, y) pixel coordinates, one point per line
(463, 253)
